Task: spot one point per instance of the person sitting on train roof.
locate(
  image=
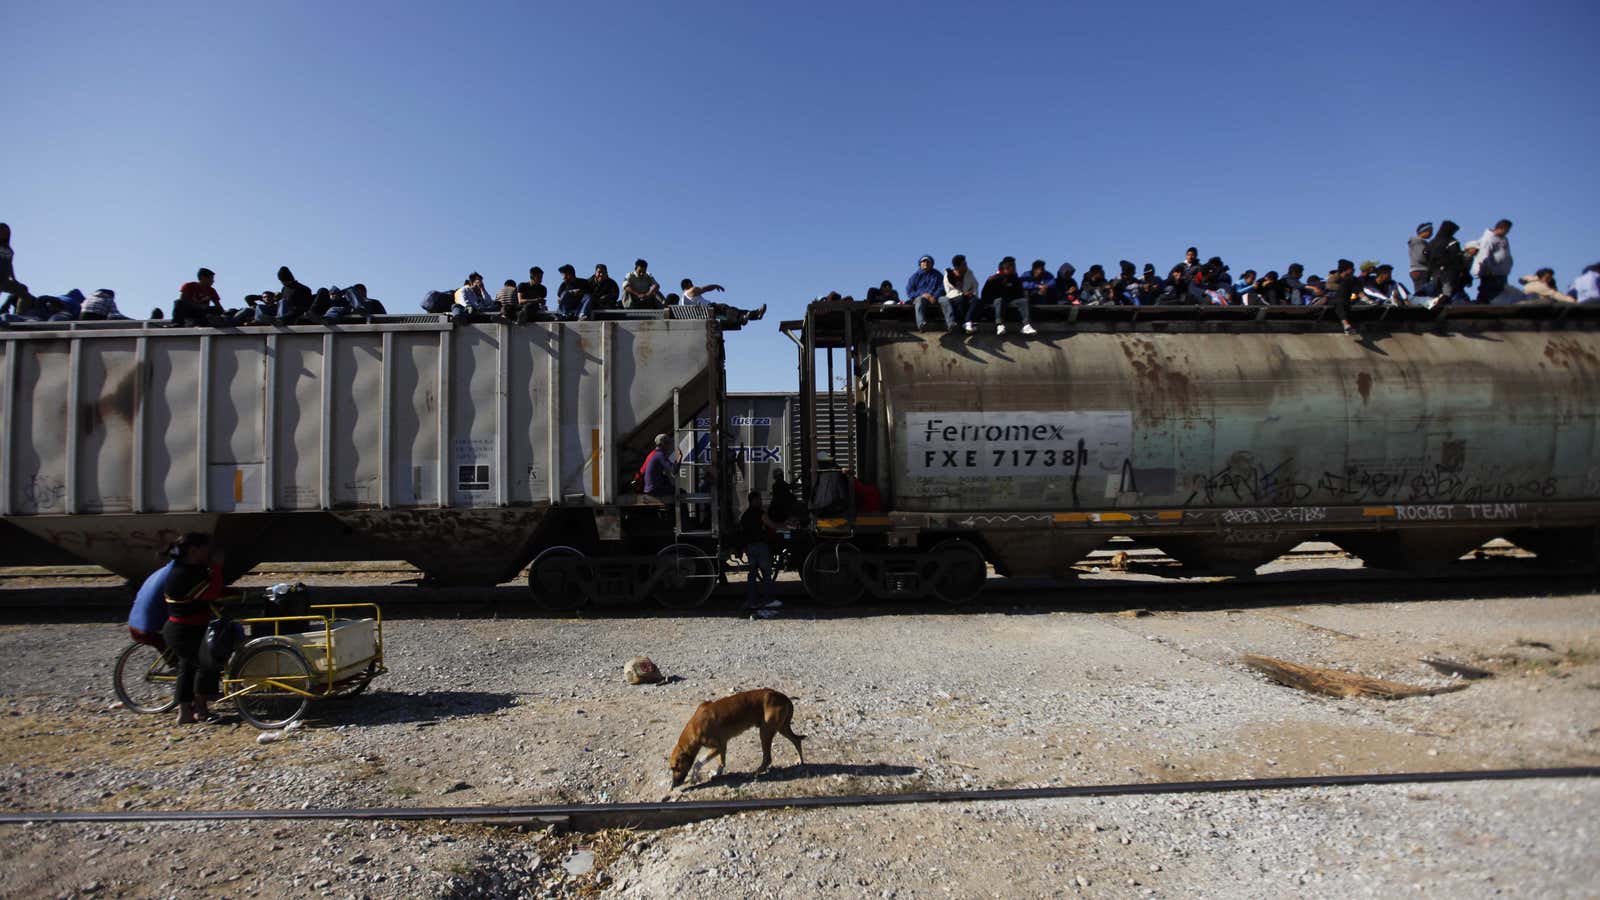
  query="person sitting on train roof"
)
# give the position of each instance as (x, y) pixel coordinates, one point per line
(696, 296)
(884, 294)
(640, 288)
(660, 475)
(923, 290)
(1148, 287)
(1382, 288)
(506, 299)
(294, 301)
(1174, 289)
(531, 296)
(1342, 287)
(1039, 284)
(1270, 289)
(1095, 289)
(572, 295)
(254, 312)
(101, 306)
(960, 301)
(1541, 285)
(603, 292)
(8, 273)
(1586, 287)
(1004, 289)
(472, 301)
(1125, 287)
(1245, 289)
(1066, 286)
(1191, 262)
(1294, 293)
(198, 302)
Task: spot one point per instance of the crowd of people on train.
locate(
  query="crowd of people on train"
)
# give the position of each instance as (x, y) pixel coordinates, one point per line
(292, 303)
(1440, 269)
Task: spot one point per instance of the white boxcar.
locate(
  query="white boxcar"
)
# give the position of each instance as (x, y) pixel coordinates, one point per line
(404, 439)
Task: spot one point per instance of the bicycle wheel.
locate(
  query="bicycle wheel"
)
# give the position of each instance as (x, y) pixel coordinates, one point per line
(144, 679)
(266, 683)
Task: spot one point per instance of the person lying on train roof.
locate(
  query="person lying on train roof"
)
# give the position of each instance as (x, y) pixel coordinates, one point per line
(696, 296)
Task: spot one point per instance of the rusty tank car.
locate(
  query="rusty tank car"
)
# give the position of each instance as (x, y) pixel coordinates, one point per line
(469, 451)
(1222, 435)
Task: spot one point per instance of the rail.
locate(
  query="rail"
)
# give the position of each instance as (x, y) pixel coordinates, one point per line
(591, 816)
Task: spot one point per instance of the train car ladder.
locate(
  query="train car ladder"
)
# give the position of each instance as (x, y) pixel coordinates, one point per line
(692, 463)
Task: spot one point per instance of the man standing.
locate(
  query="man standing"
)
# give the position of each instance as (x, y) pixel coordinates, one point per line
(923, 289)
(1004, 289)
(197, 301)
(641, 289)
(1418, 250)
(960, 301)
(572, 295)
(758, 532)
(531, 295)
(1493, 263)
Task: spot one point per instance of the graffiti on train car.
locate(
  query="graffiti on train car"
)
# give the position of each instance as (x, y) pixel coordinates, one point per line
(1245, 480)
(1453, 512)
(1274, 515)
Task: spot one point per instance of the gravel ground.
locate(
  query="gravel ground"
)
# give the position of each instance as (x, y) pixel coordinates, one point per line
(479, 710)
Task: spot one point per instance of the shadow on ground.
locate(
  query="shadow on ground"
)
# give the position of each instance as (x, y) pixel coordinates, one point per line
(812, 770)
(381, 707)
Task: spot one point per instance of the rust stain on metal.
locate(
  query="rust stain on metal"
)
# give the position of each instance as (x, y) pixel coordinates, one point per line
(1166, 390)
(1569, 354)
(1364, 385)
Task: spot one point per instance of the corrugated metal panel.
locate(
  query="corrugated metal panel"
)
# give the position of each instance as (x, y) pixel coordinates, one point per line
(393, 416)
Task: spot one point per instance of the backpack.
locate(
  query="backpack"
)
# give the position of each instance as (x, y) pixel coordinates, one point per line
(438, 301)
(216, 648)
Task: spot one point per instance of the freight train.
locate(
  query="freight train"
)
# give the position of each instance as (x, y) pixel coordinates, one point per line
(1222, 435)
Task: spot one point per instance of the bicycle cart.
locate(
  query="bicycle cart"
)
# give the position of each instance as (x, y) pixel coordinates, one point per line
(273, 676)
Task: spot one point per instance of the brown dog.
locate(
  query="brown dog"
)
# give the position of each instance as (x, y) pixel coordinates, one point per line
(716, 722)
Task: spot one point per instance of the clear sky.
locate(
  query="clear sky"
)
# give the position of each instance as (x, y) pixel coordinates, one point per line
(783, 150)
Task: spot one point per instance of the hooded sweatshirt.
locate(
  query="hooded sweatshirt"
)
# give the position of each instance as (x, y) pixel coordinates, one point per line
(924, 281)
(1418, 247)
(1445, 259)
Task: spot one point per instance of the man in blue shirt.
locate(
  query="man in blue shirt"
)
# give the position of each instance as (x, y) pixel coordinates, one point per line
(923, 290)
(149, 613)
(1586, 287)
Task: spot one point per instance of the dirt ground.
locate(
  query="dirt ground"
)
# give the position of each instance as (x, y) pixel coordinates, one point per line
(1041, 687)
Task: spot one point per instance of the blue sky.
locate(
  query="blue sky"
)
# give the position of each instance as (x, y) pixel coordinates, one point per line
(781, 150)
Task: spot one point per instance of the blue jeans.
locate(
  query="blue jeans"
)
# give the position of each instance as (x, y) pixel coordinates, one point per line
(287, 313)
(760, 572)
(957, 311)
(1020, 304)
(576, 309)
(921, 307)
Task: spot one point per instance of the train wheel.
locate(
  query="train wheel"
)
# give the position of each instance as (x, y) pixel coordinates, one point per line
(684, 576)
(271, 676)
(958, 571)
(561, 579)
(832, 574)
(144, 679)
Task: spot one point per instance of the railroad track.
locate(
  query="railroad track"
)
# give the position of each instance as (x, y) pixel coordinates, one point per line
(592, 816)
